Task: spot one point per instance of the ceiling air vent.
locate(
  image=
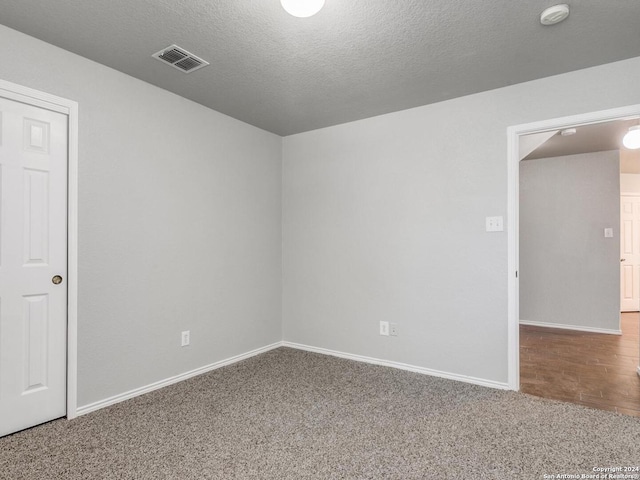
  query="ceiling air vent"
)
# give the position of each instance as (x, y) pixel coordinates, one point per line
(181, 59)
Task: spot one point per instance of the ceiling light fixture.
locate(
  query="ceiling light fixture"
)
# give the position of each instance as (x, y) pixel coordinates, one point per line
(567, 132)
(555, 14)
(302, 8)
(632, 139)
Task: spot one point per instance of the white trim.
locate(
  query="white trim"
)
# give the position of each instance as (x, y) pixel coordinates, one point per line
(401, 366)
(40, 99)
(638, 370)
(72, 264)
(513, 133)
(513, 261)
(33, 97)
(579, 328)
(91, 407)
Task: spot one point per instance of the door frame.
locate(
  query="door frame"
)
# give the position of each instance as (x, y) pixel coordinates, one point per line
(69, 108)
(513, 215)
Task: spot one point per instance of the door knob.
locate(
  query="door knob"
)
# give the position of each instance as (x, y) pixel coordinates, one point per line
(57, 279)
(622, 259)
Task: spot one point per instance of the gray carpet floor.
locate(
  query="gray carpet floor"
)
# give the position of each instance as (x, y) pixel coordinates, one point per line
(288, 414)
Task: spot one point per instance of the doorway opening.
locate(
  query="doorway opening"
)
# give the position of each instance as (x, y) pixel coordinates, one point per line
(564, 336)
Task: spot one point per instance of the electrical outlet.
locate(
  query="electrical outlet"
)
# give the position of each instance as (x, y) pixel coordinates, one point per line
(393, 329)
(186, 338)
(384, 328)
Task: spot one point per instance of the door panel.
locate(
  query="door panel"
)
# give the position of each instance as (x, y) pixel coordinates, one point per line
(36, 322)
(629, 253)
(33, 249)
(36, 214)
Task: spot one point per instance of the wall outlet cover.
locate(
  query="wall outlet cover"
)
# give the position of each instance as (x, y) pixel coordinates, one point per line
(393, 329)
(384, 328)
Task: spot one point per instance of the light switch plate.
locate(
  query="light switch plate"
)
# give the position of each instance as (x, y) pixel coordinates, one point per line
(608, 233)
(495, 224)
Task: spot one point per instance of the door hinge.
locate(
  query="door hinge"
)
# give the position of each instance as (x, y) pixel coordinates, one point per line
(516, 273)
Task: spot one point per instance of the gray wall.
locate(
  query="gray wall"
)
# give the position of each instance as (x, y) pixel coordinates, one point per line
(179, 223)
(569, 272)
(384, 219)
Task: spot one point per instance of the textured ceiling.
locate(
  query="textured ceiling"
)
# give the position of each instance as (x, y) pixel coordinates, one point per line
(599, 137)
(355, 59)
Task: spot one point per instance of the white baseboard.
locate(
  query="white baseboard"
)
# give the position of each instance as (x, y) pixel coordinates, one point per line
(572, 327)
(92, 407)
(401, 366)
(171, 380)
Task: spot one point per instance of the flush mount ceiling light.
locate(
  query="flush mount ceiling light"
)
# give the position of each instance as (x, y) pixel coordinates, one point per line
(568, 132)
(302, 8)
(632, 139)
(555, 14)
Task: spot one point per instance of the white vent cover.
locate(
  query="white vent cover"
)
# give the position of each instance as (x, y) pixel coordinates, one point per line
(179, 58)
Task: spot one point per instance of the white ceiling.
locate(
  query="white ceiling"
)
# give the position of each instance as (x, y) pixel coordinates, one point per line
(355, 59)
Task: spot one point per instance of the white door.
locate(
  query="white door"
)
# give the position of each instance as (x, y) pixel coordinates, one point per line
(33, 250)
(629, 253)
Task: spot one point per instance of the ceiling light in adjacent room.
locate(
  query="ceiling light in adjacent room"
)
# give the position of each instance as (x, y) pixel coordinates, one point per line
(567, 132)
(632, 139)
(555, 14)
(302, 8)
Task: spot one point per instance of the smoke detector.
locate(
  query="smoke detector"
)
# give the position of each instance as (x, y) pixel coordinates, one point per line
(555, 14)
(180, 59)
